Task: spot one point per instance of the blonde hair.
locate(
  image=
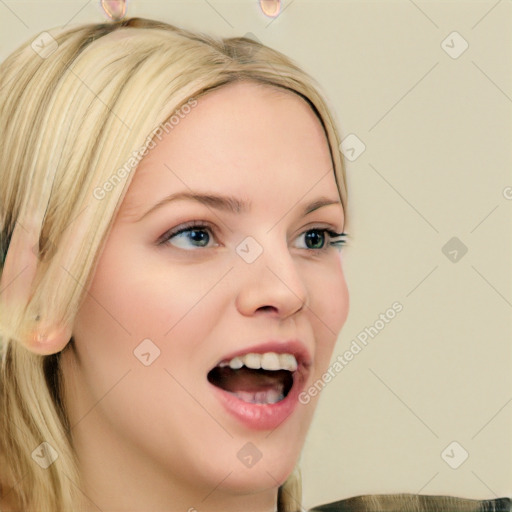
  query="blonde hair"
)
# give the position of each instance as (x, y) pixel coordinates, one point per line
(75, 107)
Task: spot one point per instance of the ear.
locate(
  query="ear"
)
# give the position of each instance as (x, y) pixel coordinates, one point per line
(16, 278)
(46, 341)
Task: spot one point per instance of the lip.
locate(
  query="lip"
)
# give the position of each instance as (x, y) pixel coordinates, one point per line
(268, 416)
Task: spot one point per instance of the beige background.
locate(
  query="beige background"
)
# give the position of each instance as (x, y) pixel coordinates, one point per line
(437, 165)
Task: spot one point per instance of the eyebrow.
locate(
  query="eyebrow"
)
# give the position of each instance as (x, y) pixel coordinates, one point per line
(231, 204)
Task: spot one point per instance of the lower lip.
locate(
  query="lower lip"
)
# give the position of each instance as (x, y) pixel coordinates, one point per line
(261, 416)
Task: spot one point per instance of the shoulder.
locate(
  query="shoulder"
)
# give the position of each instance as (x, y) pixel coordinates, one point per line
(418, 502)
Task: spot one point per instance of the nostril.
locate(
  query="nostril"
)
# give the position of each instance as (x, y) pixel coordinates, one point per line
(267, 308)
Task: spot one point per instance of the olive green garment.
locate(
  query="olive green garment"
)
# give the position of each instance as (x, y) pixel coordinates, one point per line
(414, 503)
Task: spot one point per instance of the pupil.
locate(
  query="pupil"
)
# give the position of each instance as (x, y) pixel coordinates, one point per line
(315, 234)
(198, 235)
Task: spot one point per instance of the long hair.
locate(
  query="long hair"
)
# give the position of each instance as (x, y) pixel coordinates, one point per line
(78, 109)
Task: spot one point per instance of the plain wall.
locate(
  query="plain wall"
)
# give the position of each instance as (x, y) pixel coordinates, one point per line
(436, 165)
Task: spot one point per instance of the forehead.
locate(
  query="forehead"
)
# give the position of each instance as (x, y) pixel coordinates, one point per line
(237, 139)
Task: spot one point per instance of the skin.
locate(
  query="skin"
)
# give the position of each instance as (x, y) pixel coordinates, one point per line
(155, 437)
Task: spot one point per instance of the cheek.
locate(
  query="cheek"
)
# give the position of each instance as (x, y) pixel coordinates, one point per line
(329, 309)
(170, 307)
(132, 299)
(137, 297)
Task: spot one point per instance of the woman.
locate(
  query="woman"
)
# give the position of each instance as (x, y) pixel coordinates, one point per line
(171, 273)
(222, 230)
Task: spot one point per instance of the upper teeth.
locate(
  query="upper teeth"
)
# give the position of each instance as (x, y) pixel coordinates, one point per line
(266, 361)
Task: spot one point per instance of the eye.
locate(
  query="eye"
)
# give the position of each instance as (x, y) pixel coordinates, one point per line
(315, 239)
(194, 234)
(197, 234)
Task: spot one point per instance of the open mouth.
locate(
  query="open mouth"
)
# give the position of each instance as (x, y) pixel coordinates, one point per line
(256, 378)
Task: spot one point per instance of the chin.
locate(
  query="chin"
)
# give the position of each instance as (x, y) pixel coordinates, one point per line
(252, 481)
(253, 464)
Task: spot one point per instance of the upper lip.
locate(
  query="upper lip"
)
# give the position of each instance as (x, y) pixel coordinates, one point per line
(295, 347)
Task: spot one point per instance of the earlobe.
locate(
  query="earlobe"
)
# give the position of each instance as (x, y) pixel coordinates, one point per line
(47, 341)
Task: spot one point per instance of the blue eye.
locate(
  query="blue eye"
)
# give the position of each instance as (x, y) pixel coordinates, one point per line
(190, 232)
(197, 235)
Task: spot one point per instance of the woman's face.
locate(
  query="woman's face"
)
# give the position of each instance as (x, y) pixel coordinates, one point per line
(162, 311)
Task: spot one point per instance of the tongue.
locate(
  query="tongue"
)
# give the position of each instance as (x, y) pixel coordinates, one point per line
(247, 380)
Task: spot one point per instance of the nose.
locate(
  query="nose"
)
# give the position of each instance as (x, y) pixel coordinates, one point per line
(271, 283)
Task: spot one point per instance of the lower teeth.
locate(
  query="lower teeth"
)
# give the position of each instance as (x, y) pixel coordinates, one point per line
(271, 396)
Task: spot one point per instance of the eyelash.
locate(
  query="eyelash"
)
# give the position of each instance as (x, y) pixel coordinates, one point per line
(337, 240)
